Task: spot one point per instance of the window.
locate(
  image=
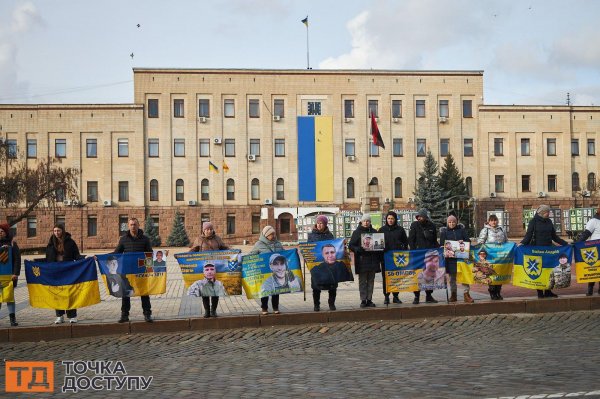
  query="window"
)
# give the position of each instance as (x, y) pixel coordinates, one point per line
(374, 108)
(280, 147)
(204, 150)
(60, 219)
(525, 147)
(153, 190)
(350, 187)
(123, 220)
(373, 149)
(152, 108)
(444, 110)
(31, 148)
(31, 227)
(284, 226)
(123, 191)
(420, 109)
(230, 189)
(229, 108)
(231, 223)
(60, 148)
(499, 183)
(255, 147)
(397, 187)
(468, 148)
(178, 108)
(469, 184)
(255, 189)
(13, 227)
(179, 148)
(255, 223)
(204, 108)
(155, 221)
(92, 226)
(279, 108)
(254, 108)
(397, 148)
(552, 183)
(92, 191)
(467, 108)
(498, 147)
(123, 147)
(314, 108)
(348, 108)
(179, 190)
(153, 148)
(230, 147)
(91, 148)
(574, 147)
(279, 189)
(591, 147)
(349, 148)
(444, 147)
(591, 182)
(204, 196)
(60, 194)
(396, 108)
(421, 147)
(575, 184)
(12, 148)
(525, 183)
(551, 147)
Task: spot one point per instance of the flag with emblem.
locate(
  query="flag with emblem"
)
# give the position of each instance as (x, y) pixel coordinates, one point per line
(534, 267)
(408, 271)
(587, 262)
(489, 264)
(132, 274)
(227, 271)
(6, 283)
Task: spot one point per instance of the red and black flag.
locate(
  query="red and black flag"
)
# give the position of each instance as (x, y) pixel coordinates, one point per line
(377, 140)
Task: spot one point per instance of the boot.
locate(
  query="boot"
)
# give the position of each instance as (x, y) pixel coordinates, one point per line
(396, 299)
(213, 306)
(492, 292)
(429, 298)
(540, 294)
(13, 320)
(417, 296)
(498, 289)
(124, 317)
(468, 298)
(331, 301)
(550, 294)
(386, 301)
(206, 305)
(453, 297)
(317, 300)
(590, 290)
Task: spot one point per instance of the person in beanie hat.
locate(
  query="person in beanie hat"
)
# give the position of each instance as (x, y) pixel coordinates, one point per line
(267, 242)
(454, 232)
(423, 235)
(208, 240)
(591, 233)
(320, 232)
(493, 234)
(366, 263)
(395, 239)
(7, 242)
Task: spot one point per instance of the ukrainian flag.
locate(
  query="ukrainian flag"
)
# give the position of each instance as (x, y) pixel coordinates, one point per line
(315, 158)
(533, 265)
(62, 285)
(499, 257)
(587, 261)
(6, 284)
(138, 269)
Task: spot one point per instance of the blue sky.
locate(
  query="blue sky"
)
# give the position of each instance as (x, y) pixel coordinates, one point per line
(78, 51)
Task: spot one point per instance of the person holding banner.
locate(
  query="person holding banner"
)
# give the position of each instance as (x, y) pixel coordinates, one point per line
(7, 242)
(541, 232)
(209, 289)
(320, 232)
(455, 232)
(61, 247)
(366, 261)
(395, 239)
(492, 234)
(208, 240)
(591, 233)
(267, 242)
(423, 235)
(327, 275)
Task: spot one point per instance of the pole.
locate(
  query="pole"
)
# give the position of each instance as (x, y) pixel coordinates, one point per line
(307, 47)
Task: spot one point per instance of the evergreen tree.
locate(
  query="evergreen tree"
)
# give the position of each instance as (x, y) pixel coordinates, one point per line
(455, 191)
(178, 236)
(151, 232)
(429, 194)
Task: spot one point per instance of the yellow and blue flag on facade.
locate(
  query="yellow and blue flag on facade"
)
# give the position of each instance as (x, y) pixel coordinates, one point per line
(7, 293)
(132, 274)
(315, 158)
(227, 269)
(271, 273)
(212, 167)
(587, 261)
(62, 285)
(420, 269)
(534, 265)
(488, 264)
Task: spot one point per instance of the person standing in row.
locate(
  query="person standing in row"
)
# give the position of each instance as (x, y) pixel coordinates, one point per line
(591, 233)
(7, 242)
(321, 231)
(493, 234)
(208, 240)
(366, 263)
(267, 243)
(423, 235)
(541, 232)
(395, 239)
(454, 232)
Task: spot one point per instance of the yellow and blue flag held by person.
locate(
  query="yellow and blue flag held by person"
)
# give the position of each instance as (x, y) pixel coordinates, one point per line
(587, 261)
(420, 269)
(534, 266)
(132, 274)
(227, 269)
(7, 293)
(489, 264)
(62, 285)
(272, 273)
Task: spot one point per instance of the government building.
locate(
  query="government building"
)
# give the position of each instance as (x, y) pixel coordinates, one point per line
(245, 148)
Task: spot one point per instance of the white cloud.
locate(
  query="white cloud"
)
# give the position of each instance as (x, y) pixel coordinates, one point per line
(25, 17)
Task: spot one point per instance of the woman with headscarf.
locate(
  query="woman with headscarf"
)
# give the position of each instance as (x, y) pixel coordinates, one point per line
(395, 239)
(493, 234)
(454, 232)
(7, 242)
(267, 242)
(591, 233)
(208, 240)
(366, 263)
(541, 232)
(423, 235)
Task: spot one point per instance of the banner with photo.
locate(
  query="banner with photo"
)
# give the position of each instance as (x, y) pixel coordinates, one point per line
(536, 267)
(272, 273)
(421, 269)
(489, 264)
(328, 262)
(587, 261)
(7, 292)
(132, 274)
(62, 285)
(223, 278)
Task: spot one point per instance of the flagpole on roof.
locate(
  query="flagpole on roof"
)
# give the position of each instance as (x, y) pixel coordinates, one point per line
(305, 22)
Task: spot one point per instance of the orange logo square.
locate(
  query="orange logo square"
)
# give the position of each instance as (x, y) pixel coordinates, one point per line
(29, 376)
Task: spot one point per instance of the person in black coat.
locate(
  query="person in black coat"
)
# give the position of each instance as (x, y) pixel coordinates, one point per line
(327, 275)
(423, 235)
(366, 263)
(134, 241)
(541, 232)
(395, 239)
(61, 248)
(321, 233)
(6, 242)
(454, 232)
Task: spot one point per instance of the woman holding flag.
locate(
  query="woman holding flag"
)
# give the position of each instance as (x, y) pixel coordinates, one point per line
(493, 234)
(6, 242)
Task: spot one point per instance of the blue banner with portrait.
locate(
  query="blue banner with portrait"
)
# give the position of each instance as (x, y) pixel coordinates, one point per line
(271, 273)
(211, 273)
(328, 262)
(421, 269)
(542, 268)
(132, 274)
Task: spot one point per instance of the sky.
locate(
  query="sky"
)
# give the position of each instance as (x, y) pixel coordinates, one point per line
(79, 51)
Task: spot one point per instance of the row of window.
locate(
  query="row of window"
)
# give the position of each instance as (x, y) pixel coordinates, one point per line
(550, 147)
(204, 147)
(552, 183)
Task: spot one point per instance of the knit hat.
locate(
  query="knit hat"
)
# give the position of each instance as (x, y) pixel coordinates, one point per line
(5, 227)
(268, 230)
(322, 219)
(452, 218)
(365, 216)
(207, 225)
(542, 208)
(423, 213)
(392, 213)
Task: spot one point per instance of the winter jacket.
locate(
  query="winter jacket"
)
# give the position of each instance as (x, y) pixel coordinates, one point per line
(422, 235)
(70, 252)
(128, 243)
(458, 233)
(212, 243)
(326, 277)
(16, 253)
(541, 232)
(317, 235)
(491, 235)
(395, 237)
(364, 261)
(592, 230)
(264, 245)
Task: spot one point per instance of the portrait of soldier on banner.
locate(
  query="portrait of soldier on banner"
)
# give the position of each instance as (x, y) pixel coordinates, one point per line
(456, 249)
(482, 269)
(331, 271)
(560, 276)
(432, 276)
(118, 285)
(209, 285)
(373, 241)
(159, 260)
(281, 278)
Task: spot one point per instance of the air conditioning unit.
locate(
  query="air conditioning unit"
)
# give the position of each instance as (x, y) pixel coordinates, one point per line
(276, 118)
(268, 201)
(351, 158)
(443, 119)
(586, 193)
(347, 120)
(251, 157)
(67, 202)
(192, 203)
(387, 200)
(75, 202)
(202, 119)
(542, 194)
(492, 195)
(218, 140)
(107, 203)
(396, 120)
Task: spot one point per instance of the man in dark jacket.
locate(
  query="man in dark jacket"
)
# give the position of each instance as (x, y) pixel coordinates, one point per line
(423, 235)
(366, 263)
(134, 241)
(395, 239)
